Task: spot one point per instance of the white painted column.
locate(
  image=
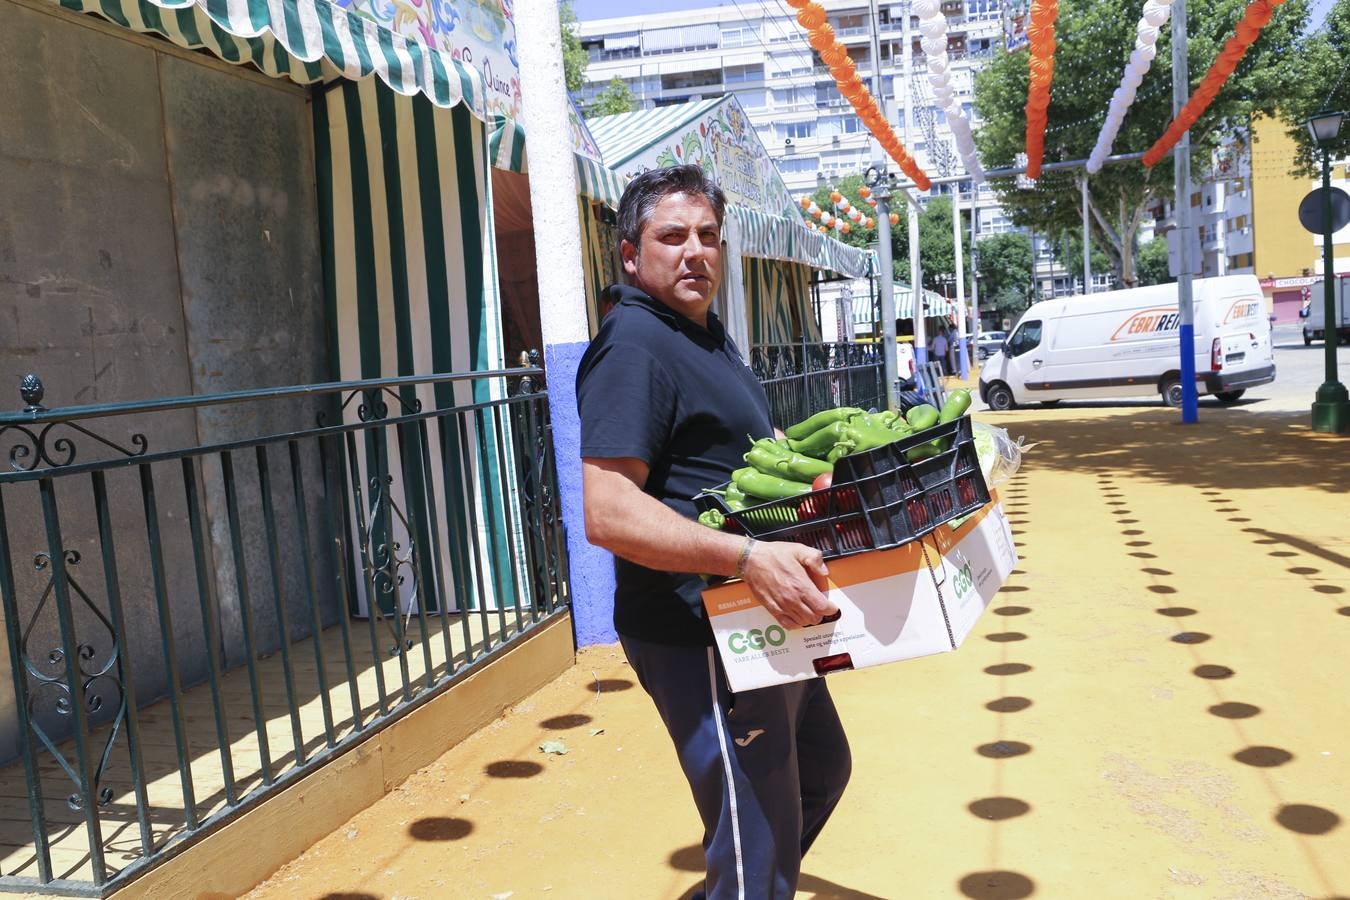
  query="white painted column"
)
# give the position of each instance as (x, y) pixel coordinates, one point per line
(962, 357)
(562, 298)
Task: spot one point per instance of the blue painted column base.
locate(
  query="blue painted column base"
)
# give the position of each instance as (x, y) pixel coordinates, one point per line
(1190, 397)
(591, 569)
(963, 357)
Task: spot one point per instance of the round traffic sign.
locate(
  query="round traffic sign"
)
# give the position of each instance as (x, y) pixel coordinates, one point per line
(1310, 210)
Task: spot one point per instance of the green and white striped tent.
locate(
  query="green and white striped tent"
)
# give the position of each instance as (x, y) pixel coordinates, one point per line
(403, 150)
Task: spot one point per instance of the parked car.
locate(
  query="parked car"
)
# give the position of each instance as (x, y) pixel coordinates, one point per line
(987, 344)
(1315, 313)
(1124, 344)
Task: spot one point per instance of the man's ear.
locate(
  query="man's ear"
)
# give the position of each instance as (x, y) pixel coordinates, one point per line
(629, 254)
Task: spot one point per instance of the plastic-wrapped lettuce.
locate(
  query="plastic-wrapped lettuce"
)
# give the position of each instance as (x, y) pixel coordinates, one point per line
(1000, 455)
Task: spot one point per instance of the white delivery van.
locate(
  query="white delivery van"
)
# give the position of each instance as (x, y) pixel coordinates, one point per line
(1315, 313)
(1126, 344)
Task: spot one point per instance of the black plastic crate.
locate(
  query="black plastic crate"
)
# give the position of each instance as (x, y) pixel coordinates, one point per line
(906, 500)
(833, 520)
(878, 499)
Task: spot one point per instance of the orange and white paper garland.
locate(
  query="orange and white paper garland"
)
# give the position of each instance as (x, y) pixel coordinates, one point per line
(1155, 16)
(855, 217)
(1258, 14)
(1041, 37)
(834, 54)
(933, 27)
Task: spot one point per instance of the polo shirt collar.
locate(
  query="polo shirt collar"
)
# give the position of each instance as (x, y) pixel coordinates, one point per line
(636, 297)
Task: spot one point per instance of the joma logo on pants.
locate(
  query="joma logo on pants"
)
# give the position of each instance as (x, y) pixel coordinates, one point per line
(754, 639)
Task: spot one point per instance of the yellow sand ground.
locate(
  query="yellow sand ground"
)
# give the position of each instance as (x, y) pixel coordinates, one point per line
(1156, 706)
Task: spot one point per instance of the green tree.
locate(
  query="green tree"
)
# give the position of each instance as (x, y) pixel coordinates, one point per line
(1068, 247)
(866, 238)
(1321, 83)
(1005, 272)
(1095, 38)
(617, 97)
(938, 249)
(575, 59)
(1153, 263)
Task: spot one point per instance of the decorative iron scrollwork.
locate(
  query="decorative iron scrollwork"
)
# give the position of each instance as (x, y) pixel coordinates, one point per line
(56, 690)
(33, 449)
(383, 561)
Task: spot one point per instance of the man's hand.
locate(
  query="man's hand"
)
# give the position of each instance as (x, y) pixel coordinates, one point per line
(789, 581)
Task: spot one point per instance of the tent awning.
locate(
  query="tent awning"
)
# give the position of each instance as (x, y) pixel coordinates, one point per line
(309, 41)
(760, 234)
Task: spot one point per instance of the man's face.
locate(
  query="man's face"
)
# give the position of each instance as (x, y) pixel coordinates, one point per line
(679, 257)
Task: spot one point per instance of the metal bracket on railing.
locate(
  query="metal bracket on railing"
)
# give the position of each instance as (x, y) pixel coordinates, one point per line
(383, 561)
(64, 692)
(62, 452)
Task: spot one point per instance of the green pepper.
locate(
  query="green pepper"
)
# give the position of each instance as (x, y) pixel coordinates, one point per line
(738, 473)
(735, 495)
(804, 468)
(810, 426)
(765, 461)
(888, 416)
(767, 487)
(923, 451)
(770, 445)
(841, 449)
(957, 403)
(712, 518)
(869, 420)
(867, 438)
(922, 416)
(820, 442)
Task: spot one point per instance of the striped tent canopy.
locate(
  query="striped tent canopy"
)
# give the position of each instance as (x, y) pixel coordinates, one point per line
(622, 137)
(310, 41)
(934, 305)
(762, 235)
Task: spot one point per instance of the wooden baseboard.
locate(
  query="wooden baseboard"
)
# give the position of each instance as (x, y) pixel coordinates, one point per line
(249, 849)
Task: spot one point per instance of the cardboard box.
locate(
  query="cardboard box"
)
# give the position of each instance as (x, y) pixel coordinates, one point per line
(894, 604)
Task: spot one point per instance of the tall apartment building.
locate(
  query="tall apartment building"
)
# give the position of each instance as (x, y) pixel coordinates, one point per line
(756, 49)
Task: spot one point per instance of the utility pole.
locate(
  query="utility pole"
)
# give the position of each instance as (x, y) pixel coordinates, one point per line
(912, 215)
(962, 360)
(1181, 161)
(881, 191)
(974, 267)
(1087, 239)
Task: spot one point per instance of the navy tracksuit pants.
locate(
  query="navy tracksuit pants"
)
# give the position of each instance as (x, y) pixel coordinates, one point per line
(767, 767)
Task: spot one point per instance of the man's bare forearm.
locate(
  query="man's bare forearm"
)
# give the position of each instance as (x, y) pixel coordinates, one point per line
(636, 526)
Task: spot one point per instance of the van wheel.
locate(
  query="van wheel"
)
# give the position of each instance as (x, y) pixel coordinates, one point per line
(1000, 397)
(1171, 393)
(1228, 396)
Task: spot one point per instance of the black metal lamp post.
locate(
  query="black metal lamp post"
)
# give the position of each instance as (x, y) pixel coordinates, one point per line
(1331, 408)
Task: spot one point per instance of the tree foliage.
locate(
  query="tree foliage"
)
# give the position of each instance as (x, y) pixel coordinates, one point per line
(1005, 272)
(1068, 247)
(1153, 263)
(1095, 39)
(1322, 82)
(938, 249)
(617, 97)
(575, 59)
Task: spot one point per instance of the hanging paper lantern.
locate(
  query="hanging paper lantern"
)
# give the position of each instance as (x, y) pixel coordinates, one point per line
(835, 196)
(871, 201)
(844, 204)
(869, 223)
(864, 192)
(895, 218)
(1041, 35)
(812, 15)
(821, 38)
(806, 202)
(846, 228)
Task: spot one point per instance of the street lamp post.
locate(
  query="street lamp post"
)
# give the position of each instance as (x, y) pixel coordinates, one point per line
(1331, 409)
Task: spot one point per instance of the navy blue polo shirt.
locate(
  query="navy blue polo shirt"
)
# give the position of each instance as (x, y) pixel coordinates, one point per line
(658, 387)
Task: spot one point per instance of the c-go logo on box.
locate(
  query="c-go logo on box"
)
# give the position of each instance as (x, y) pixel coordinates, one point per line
(743, 642)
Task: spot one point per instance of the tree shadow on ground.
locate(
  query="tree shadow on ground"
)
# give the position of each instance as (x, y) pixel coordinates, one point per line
(1227, 448)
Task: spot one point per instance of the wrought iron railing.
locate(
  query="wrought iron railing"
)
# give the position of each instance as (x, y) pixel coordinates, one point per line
(184, 622)
(802, 379)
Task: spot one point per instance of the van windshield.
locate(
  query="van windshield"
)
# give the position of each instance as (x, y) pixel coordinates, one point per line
(1027, 337)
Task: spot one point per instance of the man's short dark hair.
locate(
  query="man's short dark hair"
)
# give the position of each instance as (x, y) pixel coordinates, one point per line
(644, 192)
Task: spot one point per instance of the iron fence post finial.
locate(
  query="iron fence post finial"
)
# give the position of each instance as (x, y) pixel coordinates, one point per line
(32, 391)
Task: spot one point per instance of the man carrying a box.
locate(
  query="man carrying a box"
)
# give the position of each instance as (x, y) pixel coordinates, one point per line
(666, 404)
